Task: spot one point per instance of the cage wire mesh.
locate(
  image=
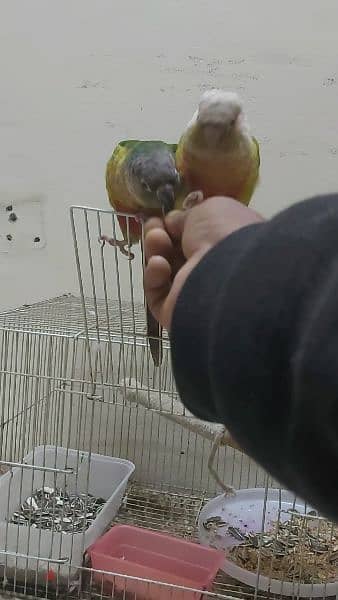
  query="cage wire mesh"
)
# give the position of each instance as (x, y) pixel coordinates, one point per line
(82, 406)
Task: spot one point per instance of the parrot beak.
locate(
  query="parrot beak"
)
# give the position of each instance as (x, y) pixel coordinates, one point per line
(166, 198)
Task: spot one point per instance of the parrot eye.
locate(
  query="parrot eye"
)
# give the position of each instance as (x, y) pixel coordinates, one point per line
(145, 186)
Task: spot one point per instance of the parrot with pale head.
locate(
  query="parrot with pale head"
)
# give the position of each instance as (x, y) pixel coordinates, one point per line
(217, 155)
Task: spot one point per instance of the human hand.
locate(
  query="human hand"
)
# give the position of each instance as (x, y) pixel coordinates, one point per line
(175, 246)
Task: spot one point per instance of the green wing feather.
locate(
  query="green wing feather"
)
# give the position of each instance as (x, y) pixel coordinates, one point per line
(258, 154)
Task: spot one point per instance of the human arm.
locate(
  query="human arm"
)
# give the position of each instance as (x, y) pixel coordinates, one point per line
(254, 333)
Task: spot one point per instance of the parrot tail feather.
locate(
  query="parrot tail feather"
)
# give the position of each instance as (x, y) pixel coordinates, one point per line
(154, 332)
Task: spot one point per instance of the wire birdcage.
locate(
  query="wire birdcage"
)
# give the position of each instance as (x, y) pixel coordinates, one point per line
(82, 406)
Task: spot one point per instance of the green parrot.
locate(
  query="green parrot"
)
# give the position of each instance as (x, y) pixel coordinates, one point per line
(142, 180)
(217, 155)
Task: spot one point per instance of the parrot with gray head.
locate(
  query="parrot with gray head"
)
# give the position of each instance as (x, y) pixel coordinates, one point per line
(142, 181)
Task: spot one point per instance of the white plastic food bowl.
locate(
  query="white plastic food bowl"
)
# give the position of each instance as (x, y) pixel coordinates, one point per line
(101, 476)
(245, 511)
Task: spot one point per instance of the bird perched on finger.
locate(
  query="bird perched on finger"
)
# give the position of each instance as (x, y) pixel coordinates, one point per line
(217, 155)
(142, 181)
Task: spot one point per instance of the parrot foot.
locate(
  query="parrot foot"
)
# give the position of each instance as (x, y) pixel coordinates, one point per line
(140, 218)
(193, 199)
(123, 245)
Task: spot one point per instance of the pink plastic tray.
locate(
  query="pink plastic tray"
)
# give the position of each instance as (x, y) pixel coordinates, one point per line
(141, 553)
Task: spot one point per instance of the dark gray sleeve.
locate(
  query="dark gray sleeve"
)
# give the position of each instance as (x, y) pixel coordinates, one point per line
(255, 345)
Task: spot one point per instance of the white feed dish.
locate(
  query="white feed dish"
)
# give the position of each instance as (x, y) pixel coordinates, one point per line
(245, 512)
(102, 476)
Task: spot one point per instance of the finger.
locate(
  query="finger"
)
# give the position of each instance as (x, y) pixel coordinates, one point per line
(169, 299)
(158, 242)
(231, 208)
(153, 223)
(157, 283)
(174, 223)
(157, 274)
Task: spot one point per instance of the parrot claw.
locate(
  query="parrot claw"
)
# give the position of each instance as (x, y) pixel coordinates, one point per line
(123, 245)
(193, 199)
(140, 218)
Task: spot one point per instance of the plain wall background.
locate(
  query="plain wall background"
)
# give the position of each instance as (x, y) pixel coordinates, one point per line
(76, 76)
